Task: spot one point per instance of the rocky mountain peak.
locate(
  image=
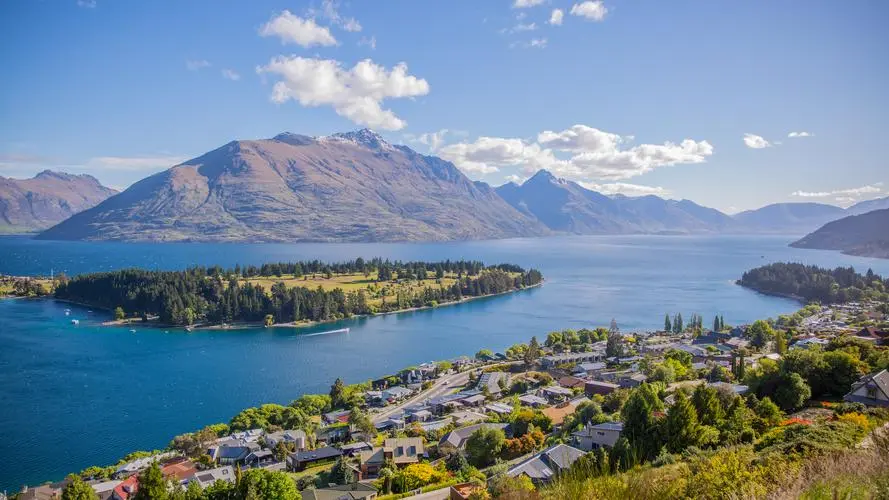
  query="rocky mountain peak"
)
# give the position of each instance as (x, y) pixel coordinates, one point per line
(365, 137)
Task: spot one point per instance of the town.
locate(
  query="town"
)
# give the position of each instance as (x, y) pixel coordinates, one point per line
(577, 404)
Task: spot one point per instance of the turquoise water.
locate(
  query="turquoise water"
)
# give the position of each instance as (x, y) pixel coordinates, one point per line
(74, 396)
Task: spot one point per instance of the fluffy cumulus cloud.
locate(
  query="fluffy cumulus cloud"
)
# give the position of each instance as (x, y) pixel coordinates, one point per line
(756, 142)
(433, 140)
(290, 28)
(356, 93)
(556, 17)
(578, 153)
(592, 10)
(843, 195)
(799, 134)
(524, 4)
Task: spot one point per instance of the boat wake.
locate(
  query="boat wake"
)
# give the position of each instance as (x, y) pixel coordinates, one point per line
(341, 330)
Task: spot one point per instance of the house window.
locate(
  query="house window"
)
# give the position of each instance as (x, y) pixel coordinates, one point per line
(600, 433)
(872, 391)
(399, 451)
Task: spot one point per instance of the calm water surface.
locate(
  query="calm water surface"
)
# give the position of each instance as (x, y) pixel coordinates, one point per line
(74, 396)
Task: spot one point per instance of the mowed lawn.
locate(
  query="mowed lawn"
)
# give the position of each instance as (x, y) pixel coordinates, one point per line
(354, 282)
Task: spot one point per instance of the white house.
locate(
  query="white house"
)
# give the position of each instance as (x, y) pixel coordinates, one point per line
(597, 436)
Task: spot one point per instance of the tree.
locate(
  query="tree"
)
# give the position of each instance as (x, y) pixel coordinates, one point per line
(681, 425)
(337, 391)
(193, 491)
(767, 413)
(614, 346)
(119, 314)
(341, 473)
(677, 323)
(707, 405)
(640, 428)
(668, 326)
(716, 327)
(152, 485)
(484, 445)
(269, 320)
(623, 455)
(533, 352)
(78, 490)
(360, 420)
(484, 355)
(792, 392)
(760, 332)
(780, 342)
(267, 484)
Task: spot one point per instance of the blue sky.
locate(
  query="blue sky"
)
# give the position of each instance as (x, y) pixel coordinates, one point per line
(623, 96)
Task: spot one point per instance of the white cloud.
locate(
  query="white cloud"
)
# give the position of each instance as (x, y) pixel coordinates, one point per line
(518, 179)
(800, 134)
(196, 64)
(433, 140)
(594, 154)
(849, 194)
(756, 142)
(626, 189)
(230, 74)
(556, 17)
(518, 28)
(521, 15)
(524, 4)
(355, 93)
(351, 24)
(539, 43)
(294, 29)
(593, 10)
(87, 4)
(370, 42)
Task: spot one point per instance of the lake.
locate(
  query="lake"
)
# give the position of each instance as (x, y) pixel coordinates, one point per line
(75, 396)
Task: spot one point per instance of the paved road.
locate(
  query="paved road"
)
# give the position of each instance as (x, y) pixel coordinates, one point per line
(440, 387)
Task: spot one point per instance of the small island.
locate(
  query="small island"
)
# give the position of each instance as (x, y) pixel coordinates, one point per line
(288, 293)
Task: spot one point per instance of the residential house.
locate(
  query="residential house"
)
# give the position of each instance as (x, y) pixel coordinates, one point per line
(103, 490)
(396, 393)
(633, 380)
(462, 491)
(492, 382)
(589, 369)
(546, 465)
(373, 398)
(353, 449)
(401, 451)
(390, 423)
(138, 465)
(465, 417)
(591, 437)
(126, 489)
(301, 459)
(43, 492)
(354, 491)
(555, 360)
(736, 388)
(261, 458)
(335, 433)
(872, 390)
(436, 425)
(232, 452)
(418, 416)
(556, 394)
(207, 477)
(249, 436)
(296, 437)
(737, 343)
(337, 417)
(809, 342)
(873, 334)
(533, 401)
(658, 348)
(711, 338)
(558, 413)
(499, 408)
(456, 439)
(593, 387)
(570, 382)
(179, 471)
(474, 400)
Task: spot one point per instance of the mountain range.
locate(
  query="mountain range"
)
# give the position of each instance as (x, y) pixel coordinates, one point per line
(355, 186)
(28, 205)
(345, 187)
(865, 235)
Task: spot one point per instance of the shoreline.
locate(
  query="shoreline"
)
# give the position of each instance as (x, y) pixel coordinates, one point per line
(151, 323)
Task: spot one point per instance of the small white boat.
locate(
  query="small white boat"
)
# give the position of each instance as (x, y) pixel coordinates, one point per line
(67, 312)
(75, 322)
(189, 329)
(132, 330)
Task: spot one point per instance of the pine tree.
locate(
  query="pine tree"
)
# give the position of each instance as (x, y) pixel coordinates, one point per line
(668, 326)
(707, 405)
(336, 394)
(716, 324)
(681, 428)
(533, 352)
(152, 485)
(677, 323)
(78, 490)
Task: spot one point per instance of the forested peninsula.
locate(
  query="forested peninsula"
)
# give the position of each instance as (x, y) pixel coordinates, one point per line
(816, 284)
(289, 292)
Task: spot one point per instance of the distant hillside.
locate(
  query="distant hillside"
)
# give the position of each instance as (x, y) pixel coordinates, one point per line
(865, 235)
(29, 205)
(787, 218)
(345, 187)
(566, 206)
(864, 207)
